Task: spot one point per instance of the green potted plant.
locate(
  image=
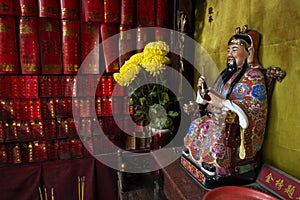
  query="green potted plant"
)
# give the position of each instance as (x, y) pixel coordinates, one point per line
(143, 74)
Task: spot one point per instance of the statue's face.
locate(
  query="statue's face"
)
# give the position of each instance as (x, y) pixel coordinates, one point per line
(237, 52)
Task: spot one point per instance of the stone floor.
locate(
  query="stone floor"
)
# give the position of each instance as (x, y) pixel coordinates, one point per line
(140, 187)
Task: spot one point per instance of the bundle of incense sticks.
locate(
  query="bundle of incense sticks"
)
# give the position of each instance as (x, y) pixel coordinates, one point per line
(81, 185)
(45, 193)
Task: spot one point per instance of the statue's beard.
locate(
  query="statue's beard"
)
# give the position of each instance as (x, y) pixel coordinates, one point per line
(231, 67)
(226, 74)
(230, 70)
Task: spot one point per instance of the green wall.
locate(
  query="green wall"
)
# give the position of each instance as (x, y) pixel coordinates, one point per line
(279, 23)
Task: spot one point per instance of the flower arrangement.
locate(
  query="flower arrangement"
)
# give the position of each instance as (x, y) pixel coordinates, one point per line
(143, 75)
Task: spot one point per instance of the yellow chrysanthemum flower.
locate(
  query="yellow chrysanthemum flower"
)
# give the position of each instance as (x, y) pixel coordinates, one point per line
(127, 66)
(156, 48)
(156, 59)
(117, 77)
(153, 59)
(126, 77)
(154, 69)
(137, 58)
(155, 64)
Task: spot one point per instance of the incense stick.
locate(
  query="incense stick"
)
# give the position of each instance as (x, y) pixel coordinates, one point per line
(52, 193)
(41, 194)
(46, 196)
(79, 188)
(82, 187)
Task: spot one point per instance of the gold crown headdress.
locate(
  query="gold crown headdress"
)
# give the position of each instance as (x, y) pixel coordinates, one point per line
(241, 37)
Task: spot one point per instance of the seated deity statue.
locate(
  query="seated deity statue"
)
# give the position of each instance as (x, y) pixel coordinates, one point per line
(224, 145)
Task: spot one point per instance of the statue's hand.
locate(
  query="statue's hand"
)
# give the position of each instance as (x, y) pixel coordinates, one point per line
(191, 107)
(216, 99)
